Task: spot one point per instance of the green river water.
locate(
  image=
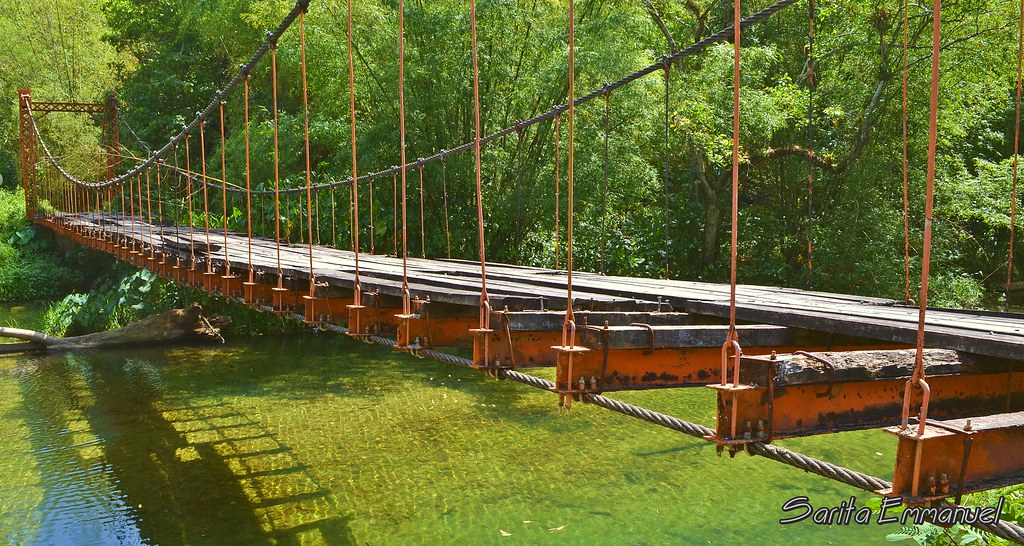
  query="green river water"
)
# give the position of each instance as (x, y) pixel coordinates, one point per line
(322, 440)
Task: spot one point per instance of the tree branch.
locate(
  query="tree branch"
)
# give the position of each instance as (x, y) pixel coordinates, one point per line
(664, 29)
(831, 166)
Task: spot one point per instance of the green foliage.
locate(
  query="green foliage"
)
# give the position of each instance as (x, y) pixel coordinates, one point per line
(124, 295)
(858, 229)
(112, 302)
(54, 48)
(29, 275)
(955, 291)
(29, 269)
(923, 534)
(12, 213)
(168, 57)
(928, 534)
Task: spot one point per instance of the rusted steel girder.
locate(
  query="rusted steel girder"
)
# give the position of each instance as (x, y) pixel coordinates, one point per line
(435, 325)
(377, 315)
(959, 456)
(794, 395)
(524, 338)
(645, 356)
(70, 107)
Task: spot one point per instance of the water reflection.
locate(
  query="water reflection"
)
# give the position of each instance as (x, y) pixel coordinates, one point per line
(124, 461)
(319, 440)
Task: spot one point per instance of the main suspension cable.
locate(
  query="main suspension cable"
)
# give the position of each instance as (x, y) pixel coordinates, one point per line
(270, 42)
(694, 49)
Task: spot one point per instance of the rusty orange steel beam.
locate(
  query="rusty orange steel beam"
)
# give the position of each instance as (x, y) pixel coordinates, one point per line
(784, 397)
(959, 456)
(644, 356)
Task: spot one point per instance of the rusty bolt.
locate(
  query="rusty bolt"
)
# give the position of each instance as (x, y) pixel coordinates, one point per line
(583, 383)
(746, 432)
(930, 485)
(944, 483)
(760, 428)
(967, 426)
(593, 383)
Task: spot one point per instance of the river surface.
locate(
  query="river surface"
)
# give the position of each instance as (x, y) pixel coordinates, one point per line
(322, 440)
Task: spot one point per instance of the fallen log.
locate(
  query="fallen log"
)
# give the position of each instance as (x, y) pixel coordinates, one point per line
(174, 326)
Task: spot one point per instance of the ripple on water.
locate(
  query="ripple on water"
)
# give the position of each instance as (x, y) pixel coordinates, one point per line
(323, 440)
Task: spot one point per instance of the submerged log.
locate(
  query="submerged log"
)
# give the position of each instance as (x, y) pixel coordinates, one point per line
(174, 326)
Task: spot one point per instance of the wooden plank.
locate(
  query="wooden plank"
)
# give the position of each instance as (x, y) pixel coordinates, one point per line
(457, 282)
(551, 321)
(676, 337)
(846, 366)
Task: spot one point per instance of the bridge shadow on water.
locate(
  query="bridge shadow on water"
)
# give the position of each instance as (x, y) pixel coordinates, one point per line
(186, 471)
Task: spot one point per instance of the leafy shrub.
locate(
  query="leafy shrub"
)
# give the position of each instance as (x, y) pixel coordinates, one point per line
(27, 275)
(959, 291)
(29, 268)
(12, 212)
(125, 295)
(113, 302)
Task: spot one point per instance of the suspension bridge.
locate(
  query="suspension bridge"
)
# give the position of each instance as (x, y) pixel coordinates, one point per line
(782, 362)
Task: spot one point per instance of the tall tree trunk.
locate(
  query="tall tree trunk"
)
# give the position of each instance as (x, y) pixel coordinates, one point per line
(712, 190)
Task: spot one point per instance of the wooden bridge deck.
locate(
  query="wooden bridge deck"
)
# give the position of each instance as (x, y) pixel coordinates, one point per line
(529, 288)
